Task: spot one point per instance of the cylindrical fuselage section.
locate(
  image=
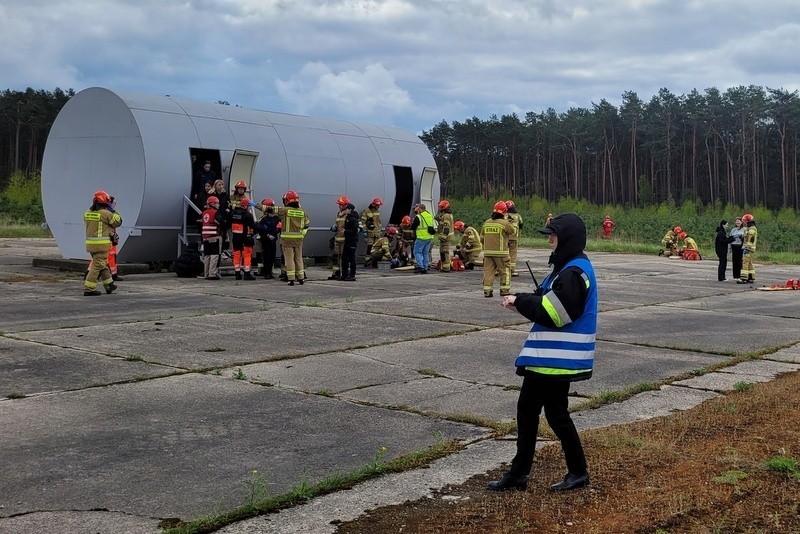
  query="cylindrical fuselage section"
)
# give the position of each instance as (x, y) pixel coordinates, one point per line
(140, 150)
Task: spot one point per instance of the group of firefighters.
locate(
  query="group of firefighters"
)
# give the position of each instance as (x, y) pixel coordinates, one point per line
(671, 245)
(230, 222)
(234, 225)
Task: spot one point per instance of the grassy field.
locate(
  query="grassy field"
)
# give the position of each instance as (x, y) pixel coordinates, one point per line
(13, 229)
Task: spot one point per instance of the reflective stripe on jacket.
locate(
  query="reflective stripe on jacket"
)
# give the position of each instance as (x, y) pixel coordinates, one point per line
(210, 227)
(100, 225)
(567, 351)
(495, 234)
(295, 223)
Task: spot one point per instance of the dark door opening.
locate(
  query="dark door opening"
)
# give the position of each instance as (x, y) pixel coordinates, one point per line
(199, 156)
(403, 194)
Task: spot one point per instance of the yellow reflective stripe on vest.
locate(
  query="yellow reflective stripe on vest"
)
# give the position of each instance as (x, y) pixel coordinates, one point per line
(551, 371)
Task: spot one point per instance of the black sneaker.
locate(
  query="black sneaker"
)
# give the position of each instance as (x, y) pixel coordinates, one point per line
(291, 282)
(301, 281)
(238, 275)
(249, 276)
(215, 277)
(110, 288)
(94, 293)
(115, 277)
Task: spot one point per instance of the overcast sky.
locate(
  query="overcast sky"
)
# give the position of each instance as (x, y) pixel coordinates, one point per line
(408, 63)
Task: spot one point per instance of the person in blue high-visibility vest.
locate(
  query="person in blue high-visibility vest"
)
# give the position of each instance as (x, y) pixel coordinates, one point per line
(558, 350)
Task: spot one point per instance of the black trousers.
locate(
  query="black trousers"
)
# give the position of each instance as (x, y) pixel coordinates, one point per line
(349, 259)
(723, 266)
(537, 393)
(268, 248)
(736, 260)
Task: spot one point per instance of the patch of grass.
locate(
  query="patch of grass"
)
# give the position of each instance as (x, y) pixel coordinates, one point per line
(15, 395)
(134, 358)
(350, 298)
(698, 372)
(305, 490)
(314, 303)
(427, 371)
(255, 488)
(742, 386)
(610, 397)
(732, 477)
(512, 388)
(782, 464)
(214, 349)
(324, 392)
(10, 229)
(239, 374)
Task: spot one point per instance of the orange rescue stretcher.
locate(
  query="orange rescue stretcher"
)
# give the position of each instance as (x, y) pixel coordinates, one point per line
(792, 283)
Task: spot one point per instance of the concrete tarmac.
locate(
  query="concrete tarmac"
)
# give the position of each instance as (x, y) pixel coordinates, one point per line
(160, 400)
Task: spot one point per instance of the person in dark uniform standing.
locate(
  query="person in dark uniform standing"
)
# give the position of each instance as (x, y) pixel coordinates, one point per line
(559, 350)
(351, 230)
(268, 232)
(721, 243)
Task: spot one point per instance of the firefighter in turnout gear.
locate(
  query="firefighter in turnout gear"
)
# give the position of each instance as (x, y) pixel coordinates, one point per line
(689, 250)
(516, 221)
(101, 221)
(295, 225)
(444, 230)
(408, 235)
(669, 243)
(239, 192)
(382, 248)
(748, 275)
(371, 224)
(243, 228)
(213, 220)
(469, 250)
(496, 262)
(338, 238)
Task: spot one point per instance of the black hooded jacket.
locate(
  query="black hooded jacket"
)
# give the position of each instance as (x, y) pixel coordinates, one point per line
(569, 286)
(722, 241)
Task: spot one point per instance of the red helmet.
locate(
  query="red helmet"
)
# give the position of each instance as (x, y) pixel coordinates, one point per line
(343, 201)
(101, 197)
(391, 231)
(459, 226)
(279, 226)
(510, 204)
(377, 201)
(682, 235)
(405, 221)
(291, 196)
(240, 185)
(677, 230)
(268, 202)
(212, 200)
(444, 205)
(746, 218)
(500, 207)
(245, 202)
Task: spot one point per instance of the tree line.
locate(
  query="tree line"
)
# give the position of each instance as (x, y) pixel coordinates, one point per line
(25, 121)
(737, 147)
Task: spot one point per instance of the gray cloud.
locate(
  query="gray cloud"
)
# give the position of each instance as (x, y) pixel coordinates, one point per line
(405, 62)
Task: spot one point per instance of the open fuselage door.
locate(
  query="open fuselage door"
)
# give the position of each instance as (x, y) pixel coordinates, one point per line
(426, 185)
(243, 164)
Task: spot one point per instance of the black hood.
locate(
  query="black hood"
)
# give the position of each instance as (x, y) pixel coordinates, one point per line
(571, 232)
